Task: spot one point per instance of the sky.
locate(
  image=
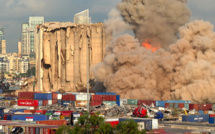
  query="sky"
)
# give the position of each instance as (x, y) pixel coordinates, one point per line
(15, 12)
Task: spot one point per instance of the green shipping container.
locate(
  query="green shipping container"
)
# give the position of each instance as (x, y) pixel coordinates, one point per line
(109, 103)
(186, 105)
(171, 105)
(132, 101)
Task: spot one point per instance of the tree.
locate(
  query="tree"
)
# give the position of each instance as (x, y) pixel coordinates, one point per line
(95, 124)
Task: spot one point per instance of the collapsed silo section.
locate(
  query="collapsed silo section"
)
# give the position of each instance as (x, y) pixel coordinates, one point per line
(62, 53)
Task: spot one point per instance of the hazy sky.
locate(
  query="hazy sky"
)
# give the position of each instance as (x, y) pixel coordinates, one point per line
(14, 12)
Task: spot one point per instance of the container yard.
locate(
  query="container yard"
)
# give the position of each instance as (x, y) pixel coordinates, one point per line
(38, 113)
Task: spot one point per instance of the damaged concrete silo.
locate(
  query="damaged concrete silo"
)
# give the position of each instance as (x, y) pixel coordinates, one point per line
(61, 54)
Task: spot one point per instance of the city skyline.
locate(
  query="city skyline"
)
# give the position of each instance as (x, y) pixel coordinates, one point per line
(18, 12)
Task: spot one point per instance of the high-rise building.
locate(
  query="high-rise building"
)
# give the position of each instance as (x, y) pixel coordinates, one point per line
(19, 48)
(4, 47)
(24, 40)
(28, 34)
(33, 22)
(1, 38)
(82, 17)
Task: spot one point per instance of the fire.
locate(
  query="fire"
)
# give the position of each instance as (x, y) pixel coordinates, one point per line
(147, 45)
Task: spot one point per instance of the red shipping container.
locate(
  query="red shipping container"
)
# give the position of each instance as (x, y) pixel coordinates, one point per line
(45, 102)
(166, 105)
(53, 122)
(212, 115)
(54, 101)
(28, 103)
(96, 97)
(109, 97)
(31, 130)
(68, 97)
(26, 95)
(54, 96)
(205, 107)
(140, 102)
(193, 106)
(96, 103)
(41, 111)
(181, 105)
(150, 102)
(113, 122)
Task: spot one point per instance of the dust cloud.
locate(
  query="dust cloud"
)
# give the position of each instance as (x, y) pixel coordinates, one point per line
(184, 68)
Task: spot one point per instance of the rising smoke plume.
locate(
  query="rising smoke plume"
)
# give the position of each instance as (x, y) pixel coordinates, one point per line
(185, 70)
(156, 21)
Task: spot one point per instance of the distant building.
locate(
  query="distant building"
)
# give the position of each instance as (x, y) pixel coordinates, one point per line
(28, 34)
(82, 17)
(4, 64)
(19, 48)
(1, 38)
(24, 65)
(4, 47)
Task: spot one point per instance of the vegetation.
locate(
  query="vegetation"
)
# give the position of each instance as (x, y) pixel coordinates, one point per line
(31, 72)
(94, 124)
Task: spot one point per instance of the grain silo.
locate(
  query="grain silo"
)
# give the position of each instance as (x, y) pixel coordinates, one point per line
(61, 54)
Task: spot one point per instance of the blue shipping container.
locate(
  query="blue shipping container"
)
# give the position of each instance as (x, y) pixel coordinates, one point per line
(66, 103)
(1, 113)
(195, 118)
(43, 96)
(59, 102)
(117, 97)
(30, 117)
(211, 120)
(160, 103)
(40, 102)
(1, 91)
(147, 122)
(177, 101)
(17, 110)
(105, 93)
(118, 103)
(201, 112)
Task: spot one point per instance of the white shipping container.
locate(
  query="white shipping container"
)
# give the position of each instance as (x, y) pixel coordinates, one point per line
(210, 112)
(59, 96)
(154, 123)
(141, 126)
(49, 102)
(81, 97)
(123, 102)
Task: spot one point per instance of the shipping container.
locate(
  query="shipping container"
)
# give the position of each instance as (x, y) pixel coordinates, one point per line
(180, 105)
(160, 103)
(212, 115)
(176, 105)
(193, 106)
(201, 112)
(59, 102)
(147, 121)
(59, 96)
(178, 101)
(205, 107)
(28, 103)
(167, 105)
(109, 97)
(132, 101)
(54, 101)
(68, 102)
(30, 117)
(96, 97)
(80, 103)
(105, 93)
(117, 97)
(186, 105)
(53, 122)
(95, 102)
(118, 103)
(1, 113)
(40, 102)
(54, 96)
(68, 97)
(26, 95)
(43, 96)
(123, 102)
(112, 121)
(81, 97)
(47, 102)
(195, 118)
(211, 120)
(109, 103)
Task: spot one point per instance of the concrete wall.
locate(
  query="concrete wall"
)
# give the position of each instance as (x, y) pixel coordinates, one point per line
(61, 54)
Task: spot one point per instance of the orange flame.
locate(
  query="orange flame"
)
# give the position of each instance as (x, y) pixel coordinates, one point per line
(150, 47)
